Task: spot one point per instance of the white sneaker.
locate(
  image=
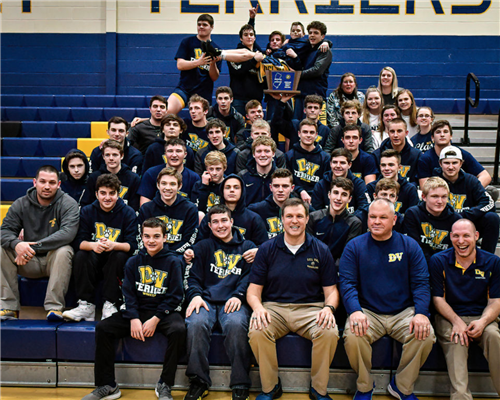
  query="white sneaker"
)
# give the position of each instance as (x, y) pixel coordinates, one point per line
(108, 309)
(85, 311)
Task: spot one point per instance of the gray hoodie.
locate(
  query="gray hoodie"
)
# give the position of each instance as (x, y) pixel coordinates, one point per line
(51, 226)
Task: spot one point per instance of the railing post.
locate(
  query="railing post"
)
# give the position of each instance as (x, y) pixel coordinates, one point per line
(469, 102)
(497, 154)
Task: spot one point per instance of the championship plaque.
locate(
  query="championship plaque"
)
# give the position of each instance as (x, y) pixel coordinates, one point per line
(284, 82)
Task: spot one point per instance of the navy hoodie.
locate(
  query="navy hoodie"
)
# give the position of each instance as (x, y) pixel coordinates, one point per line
(219, 270)
(155, 155)
(360, 199)
(410, 157)
(153, 284)
(270, 213)
(181, 219)
(467, 196)
(230, 151)
(234, 121)
(205, 196)
(431, 233)
(195, 137)
(70, 185)
(131, 156)
(129, 180)
(422, 142)
(256, 185)
(407, 197)
(307, 166)
(118, 225)
(248, 223)
(148, 186)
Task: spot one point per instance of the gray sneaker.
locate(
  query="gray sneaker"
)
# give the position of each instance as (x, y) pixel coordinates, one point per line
(103, 393)
(163, 391)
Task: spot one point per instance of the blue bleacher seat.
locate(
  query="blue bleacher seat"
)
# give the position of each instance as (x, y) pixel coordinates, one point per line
(39, 129)
(28, 339)
(87, 114)
(38, 100)
(82, 333)
(12, 100)
(12, 189)
(31, 164)
(100, 101)
(21, 113)
(73, 129)
(54, 113)
(10, 165)
(127, 113)
(142, 112)
(33, 147)
(15, 147)
(69, 100)
(131, 101)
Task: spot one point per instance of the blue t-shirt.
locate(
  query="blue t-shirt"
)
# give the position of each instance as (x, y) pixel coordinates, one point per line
(197, 80)
(293, 278)
(364, 164)
(465, 290)
(422, 142)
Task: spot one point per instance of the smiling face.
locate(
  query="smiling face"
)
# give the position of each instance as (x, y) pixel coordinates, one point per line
(307, 135)
(255, 113)
(46, 186)
(351, 140)
(263, 155)
(294, 221)
(340, 166)
(153, 240)
(172, 129)
(348, 84)
(168, 187)
(424, 117)
(255, 133)
(107, 198)
(221, 226)
(389, 167)
(175, 155)
(381, 219)
(112, 158)
(463, 238)
(436, 200)
(76, 168)
(374, 101)
(339, 199)
(386, 78)
(117, 132)
(388, 116)
(397, 134)
(404, 102)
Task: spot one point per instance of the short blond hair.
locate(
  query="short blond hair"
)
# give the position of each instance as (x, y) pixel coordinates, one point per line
(434, 183)
(216, 157)
(264, 141)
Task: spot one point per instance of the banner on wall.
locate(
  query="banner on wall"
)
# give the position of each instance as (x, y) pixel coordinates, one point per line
(342, 17)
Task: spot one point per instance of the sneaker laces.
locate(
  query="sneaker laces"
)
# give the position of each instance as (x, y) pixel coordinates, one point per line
(164, 389)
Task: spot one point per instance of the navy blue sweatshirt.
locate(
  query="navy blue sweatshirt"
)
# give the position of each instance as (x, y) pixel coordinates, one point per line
(314, 77)
(248, 223)
(195, 137)
(270, 212)
(230, 151)
(422, 142)
(430, 160)
(431, 233)
(155, 155)
(307, 166)
(293, 278)
(334, 138)
(118, 225)
(129, 180)
(245, 155)
(148, 186)
(70, 185)
(205, 196)
(410, 159)
(219, 270)
(363, 165)
(153, 284)
(385, 277)
(256, 185)
(181, 219)
(360, 200)
(131, 156)
(467, 196)
(334, 232)
(234, 121)
(407, 197)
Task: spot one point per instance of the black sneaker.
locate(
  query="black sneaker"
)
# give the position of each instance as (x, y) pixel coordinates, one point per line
(276, 393)
(163, 391)
(196, 391)
(211, 50)
(203, 46)
(241, 394)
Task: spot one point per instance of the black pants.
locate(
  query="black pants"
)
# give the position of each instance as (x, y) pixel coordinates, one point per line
(115, 327)
(89, 268)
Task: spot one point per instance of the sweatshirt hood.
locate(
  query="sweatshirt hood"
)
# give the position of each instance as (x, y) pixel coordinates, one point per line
(447, 212)
(234, 242)
(157, 199)
(65, 170)
(297, 147)
(163, 253)
(32, 197)
(120, 204)
(240, 206)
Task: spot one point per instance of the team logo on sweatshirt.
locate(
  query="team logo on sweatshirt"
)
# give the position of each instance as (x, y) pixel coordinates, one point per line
(307, 170)
(393, 257)
(195, 142)
(225, 264)
(152, 281)
(103, 231)
(397, 206)
(228, 132)
(457, 201)
(404, 169)
(213, 200)
(197, 55)
(123, 191)
(274, 226)
(52, 222)
(433, 237)
(242, 231)
(173, 227)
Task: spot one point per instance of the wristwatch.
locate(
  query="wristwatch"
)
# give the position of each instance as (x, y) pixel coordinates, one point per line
(331, 308)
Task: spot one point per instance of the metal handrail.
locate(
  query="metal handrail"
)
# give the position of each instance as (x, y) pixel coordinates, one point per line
(497, 154)
(469, 102)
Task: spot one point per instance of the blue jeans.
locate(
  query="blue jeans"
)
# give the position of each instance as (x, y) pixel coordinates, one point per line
(235, 329)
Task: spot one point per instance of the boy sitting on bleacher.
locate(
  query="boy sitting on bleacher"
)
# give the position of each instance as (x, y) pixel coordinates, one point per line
(75, 171)
(106, 239)
(153, 295)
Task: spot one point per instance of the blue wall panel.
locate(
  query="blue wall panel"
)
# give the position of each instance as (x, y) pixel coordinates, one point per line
(430, 66)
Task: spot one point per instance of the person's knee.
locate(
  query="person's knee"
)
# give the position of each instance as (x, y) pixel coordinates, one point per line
(198, 323)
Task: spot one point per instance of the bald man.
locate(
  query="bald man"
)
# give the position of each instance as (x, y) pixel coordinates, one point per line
(465, 284)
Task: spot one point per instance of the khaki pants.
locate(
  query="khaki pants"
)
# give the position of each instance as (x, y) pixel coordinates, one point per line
(415, 352)
(301, 319)
(56, 264)
(456, 355)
